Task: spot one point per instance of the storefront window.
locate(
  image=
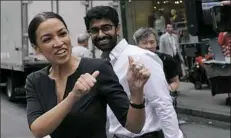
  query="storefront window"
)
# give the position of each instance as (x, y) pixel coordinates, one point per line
(156, 14)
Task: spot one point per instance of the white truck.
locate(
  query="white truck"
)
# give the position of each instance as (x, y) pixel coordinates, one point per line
(18, 58)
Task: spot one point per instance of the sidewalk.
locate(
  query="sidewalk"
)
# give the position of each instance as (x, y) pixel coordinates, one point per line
(202, 104)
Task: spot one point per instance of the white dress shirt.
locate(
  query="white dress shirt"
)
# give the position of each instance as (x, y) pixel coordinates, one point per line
(159, 24)
(159, 110)
(80, 51)
(173, 43)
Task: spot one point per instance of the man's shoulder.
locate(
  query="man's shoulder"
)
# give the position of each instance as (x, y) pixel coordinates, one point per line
(80, 51)
(163, 35)
(135, 50)
(79, 48)
(166, 58)
(175, 35)
(138, 53)
(164, 55)
(76, 49)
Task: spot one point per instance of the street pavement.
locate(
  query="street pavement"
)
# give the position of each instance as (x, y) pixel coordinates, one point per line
(13, 119)
(204, 131)
(201, 103)
(14, 122)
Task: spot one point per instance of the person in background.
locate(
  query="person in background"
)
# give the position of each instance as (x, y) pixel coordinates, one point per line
(81, 50)
(146, 38)
(184, 36)
(224, 40)
(169, 44)
(102, 22)
(68, 98)
(174, 17)
(159, 23)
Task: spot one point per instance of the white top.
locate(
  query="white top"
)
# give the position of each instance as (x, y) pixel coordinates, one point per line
(160, 113)
(80, 51)
(173, 43)
(159, 24)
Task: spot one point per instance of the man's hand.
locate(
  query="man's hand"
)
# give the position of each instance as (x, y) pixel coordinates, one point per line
(137, 76)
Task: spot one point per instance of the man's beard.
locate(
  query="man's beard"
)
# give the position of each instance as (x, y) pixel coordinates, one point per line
(112, 42)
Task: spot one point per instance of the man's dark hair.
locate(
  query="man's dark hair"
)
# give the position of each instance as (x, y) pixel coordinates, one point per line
(101, 12)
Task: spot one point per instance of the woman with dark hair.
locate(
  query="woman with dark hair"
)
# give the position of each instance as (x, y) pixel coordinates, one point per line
(68, 98)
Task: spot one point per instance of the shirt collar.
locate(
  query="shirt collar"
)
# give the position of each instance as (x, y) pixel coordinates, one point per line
(169, 34)
(118, 49)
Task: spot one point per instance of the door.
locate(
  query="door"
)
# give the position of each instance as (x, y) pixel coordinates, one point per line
(31, 9)
(11, 32)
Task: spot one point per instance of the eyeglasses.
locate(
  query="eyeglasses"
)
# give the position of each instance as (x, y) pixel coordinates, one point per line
(104, 28)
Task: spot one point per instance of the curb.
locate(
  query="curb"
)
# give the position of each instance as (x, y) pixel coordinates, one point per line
(204, 114)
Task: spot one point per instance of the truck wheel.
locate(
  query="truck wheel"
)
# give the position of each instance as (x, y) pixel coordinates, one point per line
(10, 89)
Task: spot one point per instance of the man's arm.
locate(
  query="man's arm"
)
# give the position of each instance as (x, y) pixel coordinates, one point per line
(174, 83)
(157, 93)
(108, 84)
(172, 73)
(179, 51)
